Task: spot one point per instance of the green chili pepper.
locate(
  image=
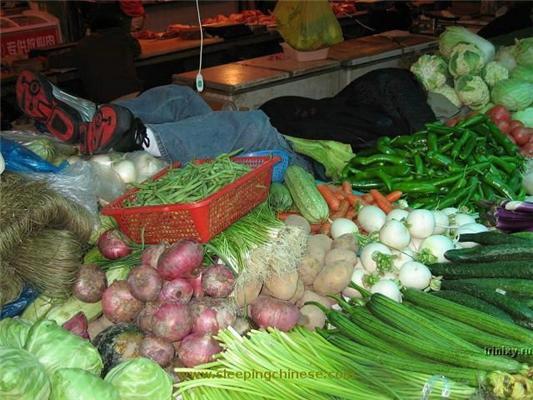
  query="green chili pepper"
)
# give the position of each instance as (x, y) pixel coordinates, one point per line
(500, 138)
(460, 143)
(386, 179)
(381, 158)
(469, 146)
(498, 185)
(432, 141)
(454, 198)
(365, 184)
(504, 165)
(472, 121)
(461, 182)
(516, 182)
(419, 164)
(440, 160)
(446, 147)
(414, 187)
(402, 140)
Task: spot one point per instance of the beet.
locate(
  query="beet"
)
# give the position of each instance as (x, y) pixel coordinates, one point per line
(198, 349)
(151, 255)
(157, 349)
(78, 325)
(218, 281)
(176, 291)
(268, 311)
(112, 245)
(90, 283)
(118, 303)
(144, 283)
(206, 322)
(180, 259)
(172, 321)
(145, 317)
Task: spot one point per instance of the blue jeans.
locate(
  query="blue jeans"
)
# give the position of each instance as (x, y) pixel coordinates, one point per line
(186, 128)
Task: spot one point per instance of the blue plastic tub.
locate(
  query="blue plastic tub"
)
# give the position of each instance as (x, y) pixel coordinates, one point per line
(278, 173)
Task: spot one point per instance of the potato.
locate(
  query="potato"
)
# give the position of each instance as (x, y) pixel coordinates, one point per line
(308, 269)
(333, 278)
(311, 317)
(282, 286)
(247, 293)
(318, 253)
(265, 291)
(320, 240)
(340, 255)
(299, 221)
(298, 293)
(309, 295)
(346, 242)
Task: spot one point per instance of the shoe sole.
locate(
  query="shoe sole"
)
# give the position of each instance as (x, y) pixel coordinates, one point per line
(35, 98)
(105, 130)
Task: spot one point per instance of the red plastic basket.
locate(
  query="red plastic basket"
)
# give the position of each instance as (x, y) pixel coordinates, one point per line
(200, 220)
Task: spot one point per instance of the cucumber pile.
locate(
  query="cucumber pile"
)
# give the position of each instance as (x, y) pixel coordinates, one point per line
(495, 277)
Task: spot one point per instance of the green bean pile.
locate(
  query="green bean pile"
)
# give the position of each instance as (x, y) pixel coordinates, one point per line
(191, 183)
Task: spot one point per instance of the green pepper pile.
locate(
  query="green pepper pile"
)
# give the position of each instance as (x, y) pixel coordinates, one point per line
(442, 166)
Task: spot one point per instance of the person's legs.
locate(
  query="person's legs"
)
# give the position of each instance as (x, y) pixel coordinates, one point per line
(167, 103)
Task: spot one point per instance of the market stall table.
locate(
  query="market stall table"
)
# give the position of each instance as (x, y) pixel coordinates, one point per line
(156, 47)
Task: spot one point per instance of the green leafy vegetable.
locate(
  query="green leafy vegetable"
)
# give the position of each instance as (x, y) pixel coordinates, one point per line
(494, 72)
(453, 35)
(449, 92)
(525, 116)
(524, 52)
(77, 384)
(472, 91)
(61, 313)
(140, 379)
(505, 56)
(13, 332)
(43, 147)
(523, 73)
(513, 94)
(57, 348)
(22, 377)
(465, 59)
(431, 71)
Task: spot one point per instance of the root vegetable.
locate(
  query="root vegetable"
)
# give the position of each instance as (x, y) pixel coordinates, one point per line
(97, 326)
(118, 303)
(242, 326)
(320, 240)
(300, 288)
(415, 275)
(282, 286)
(144, 283)
(312, 317)
(309, 295)
(90, 284)
(172, 321)
(340, 255)
(224, 308)
(346, 242)
(247, 293)
(421, 223)
(144, 319)
(157, 349)
(180, 259)
(198, 349)
(357, 278)
(441, 223)
(464, 219)
(401, 257)
(333, 278)
(367, 255)
(319, 253)
(271, 312)
(151, 255)
(371, 218)
(308, 269)
(196, 284)
(437, 245)
(343, 226)
(78, 325)
(176, 291)
(395, 235)
(218, 281)
(298, 221)
(206, 322)
(397, 214)
(112, 246)
(387, 288)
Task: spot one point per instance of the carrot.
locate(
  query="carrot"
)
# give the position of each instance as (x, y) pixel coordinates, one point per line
(325, 228)
(381, 201)
(351, 214)
(339, 195)
(347, 187)
(343, 209)
(394, 196)
(315, 228)
(368, 199)
(284, 215)
(353, 199)
(329, 196)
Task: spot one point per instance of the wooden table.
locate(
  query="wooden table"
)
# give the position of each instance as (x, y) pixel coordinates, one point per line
(156, 47)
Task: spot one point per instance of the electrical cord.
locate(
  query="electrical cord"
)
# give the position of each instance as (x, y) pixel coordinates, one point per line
(199, 77)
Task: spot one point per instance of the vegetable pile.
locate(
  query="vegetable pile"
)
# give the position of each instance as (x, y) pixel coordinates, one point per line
(514, 129)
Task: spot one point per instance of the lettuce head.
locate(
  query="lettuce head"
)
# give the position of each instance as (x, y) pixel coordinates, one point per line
(431, 71)
(494, 72)
(453, 35)
(472, 91)
(513, 94)
(465, 59)
(449, 92)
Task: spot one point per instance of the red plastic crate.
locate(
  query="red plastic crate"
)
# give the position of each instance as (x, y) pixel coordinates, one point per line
(201, 220)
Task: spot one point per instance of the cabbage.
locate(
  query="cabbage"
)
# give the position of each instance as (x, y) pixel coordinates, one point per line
(505, 56)
(513, 94)
(472, 91)
(494, 72)
(13, 332)
(465, 59)
(61, 313)
(57, 348)
(22, 377)
(140, 379)
(449, 92)
(525, 116)
(431, 71)
(523, 73)
(77, 384)
(453, 35)
(38, 309)
(43, 147)
(524, 52)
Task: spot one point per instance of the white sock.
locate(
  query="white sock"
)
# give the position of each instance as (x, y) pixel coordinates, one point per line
(152, 148)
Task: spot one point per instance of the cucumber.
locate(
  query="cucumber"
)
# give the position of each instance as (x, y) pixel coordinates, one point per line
(473, 302)
(524, 235)
(502, 269)
(491, 238)
(514, 307)
(497, 252)
(512, 287)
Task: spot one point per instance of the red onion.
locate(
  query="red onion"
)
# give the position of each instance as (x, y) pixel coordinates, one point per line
(118, 303)
(176, 291)
(267, 312)
(224, 309)
(180, 259)
(198, 349)
(157, 349)
(196, 284)
(145, 317)
(144, 283)
(151, 254)
(90, 283)
(172, 321)
(112, 246)
(218, 281)
(78, 325)
(206, 322)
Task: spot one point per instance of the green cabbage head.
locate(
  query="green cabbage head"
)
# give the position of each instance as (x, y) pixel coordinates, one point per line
(465, 59)
(140, 379)
(431, 71)
(449, 92)
(524, 52)
(472, 91)
(523, 73)
(505, 56)
(453, 35)
(513, 94)
(22, 377)
(77, 384)
(13, 332)
(494, 72)
(525, 116)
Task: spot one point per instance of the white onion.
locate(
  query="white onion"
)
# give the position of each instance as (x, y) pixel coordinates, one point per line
(449, 211)
(441, 223)
(415, 244)
(421, 223)
(402, 256)
(342, 226)
(371, 218)
(388, 288)
(415, 275)
(397, 214)
(366, 255)
(395, 235)
(469, 228)
(126, 170)
(437, 245)
(463, 219)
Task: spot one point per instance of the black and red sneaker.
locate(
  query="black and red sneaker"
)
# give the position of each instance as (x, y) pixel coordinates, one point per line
(35, 98)
(112, 127)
